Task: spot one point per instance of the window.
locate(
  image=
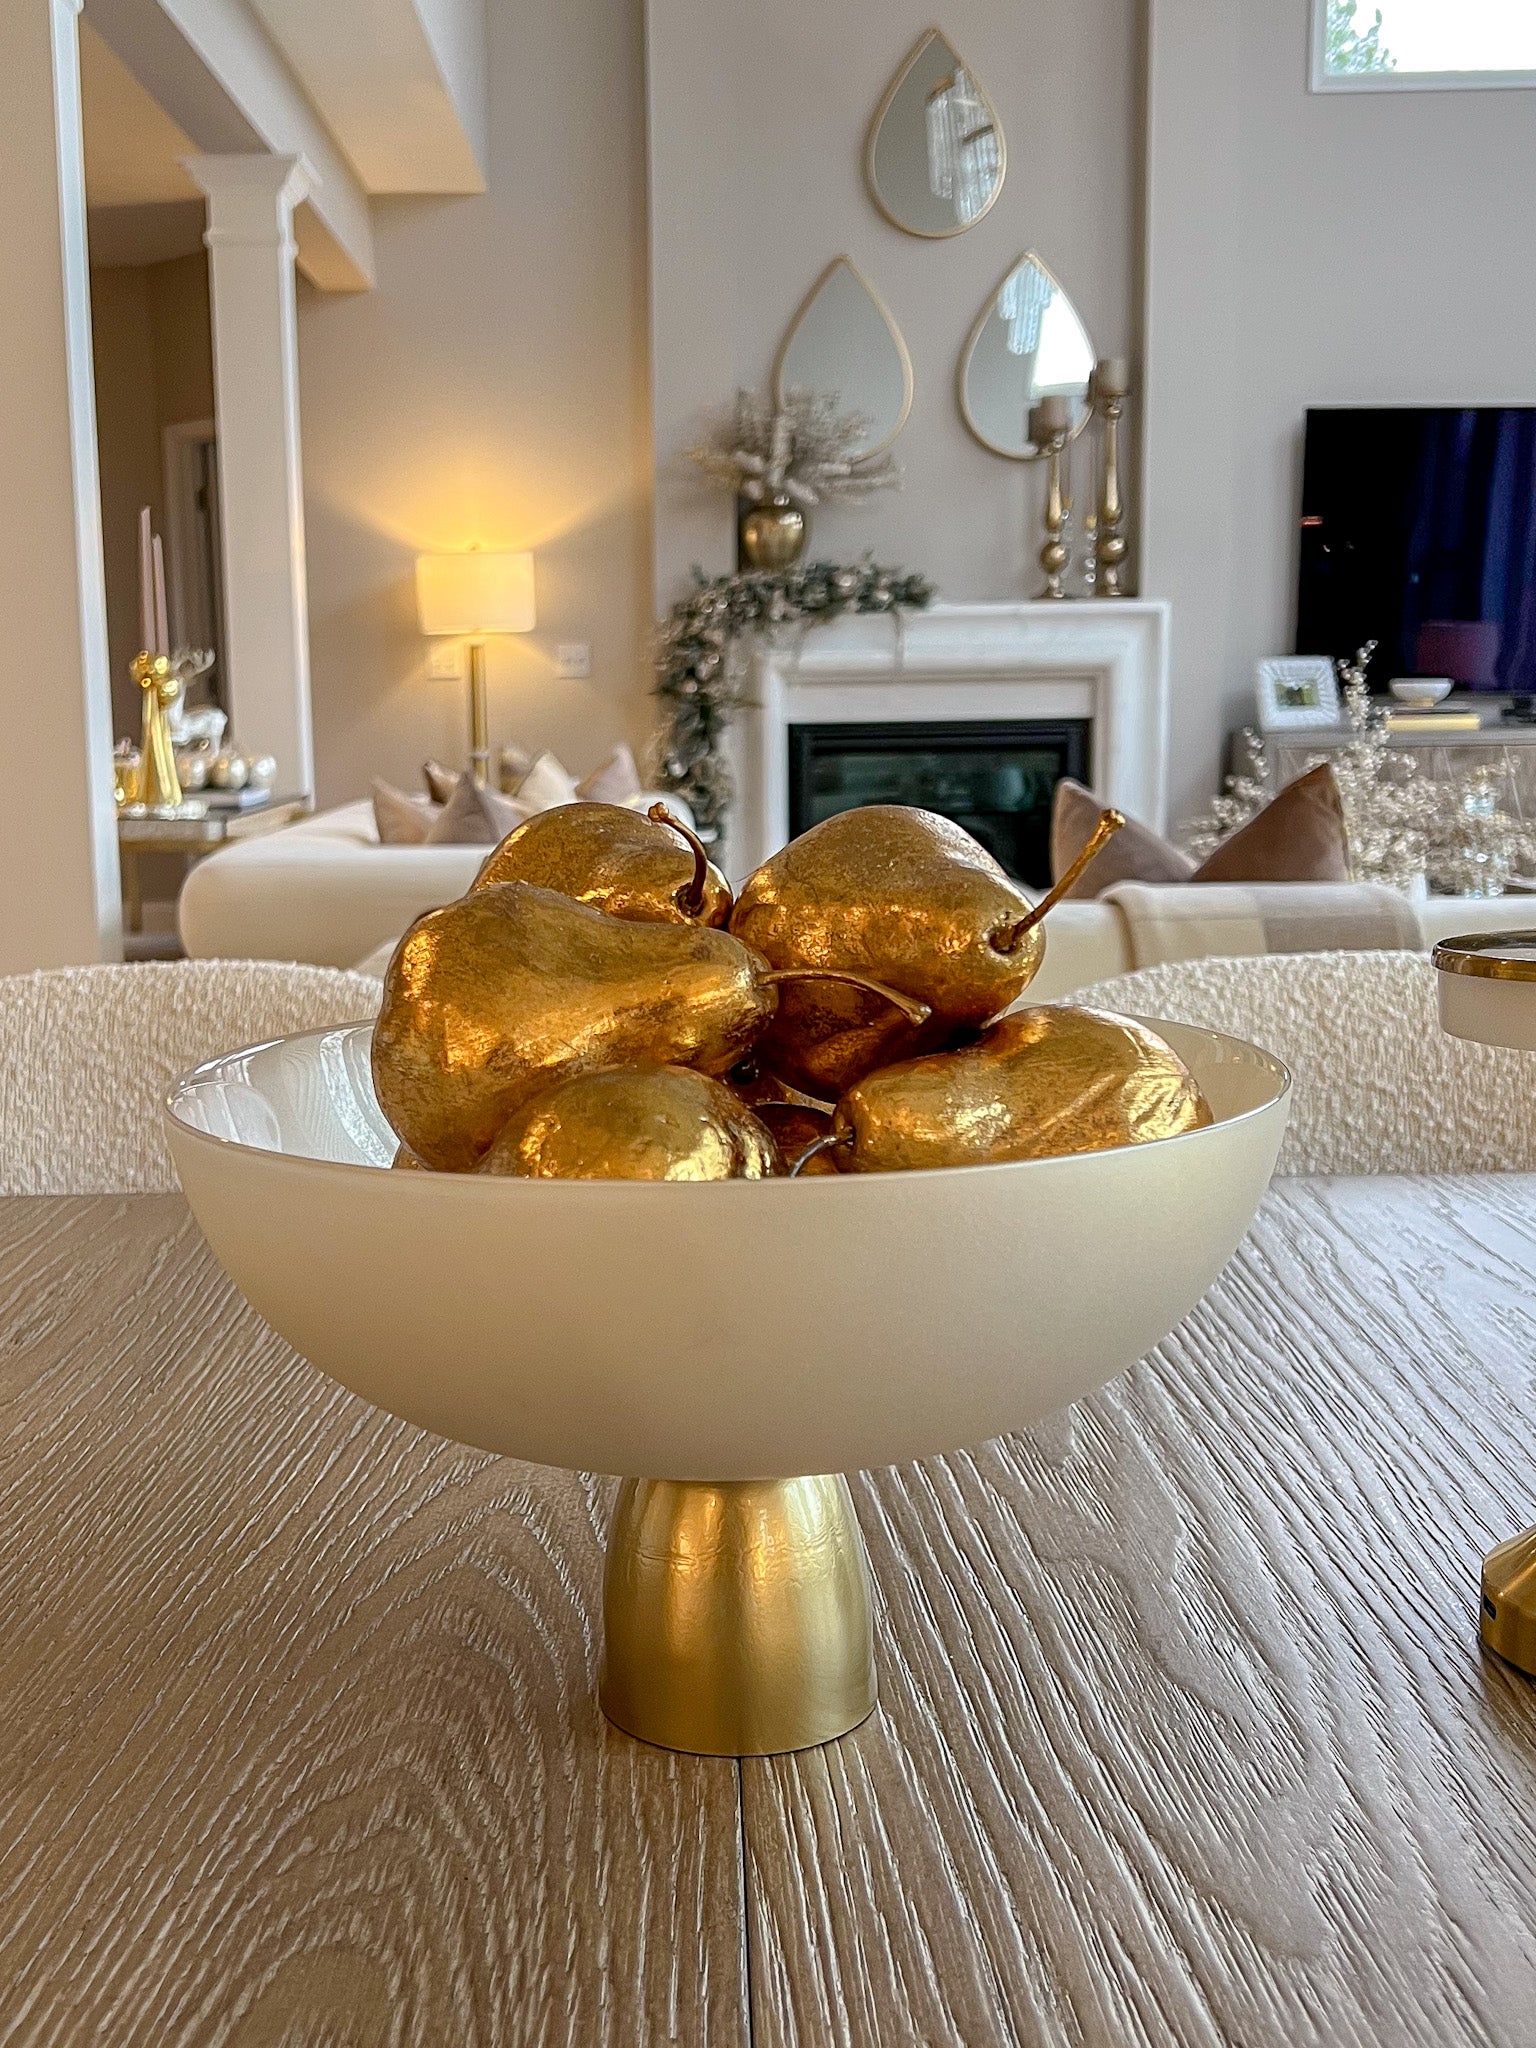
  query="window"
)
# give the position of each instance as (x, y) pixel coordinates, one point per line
(1415, 45)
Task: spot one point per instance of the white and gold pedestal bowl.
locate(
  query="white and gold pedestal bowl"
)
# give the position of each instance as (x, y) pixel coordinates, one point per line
(714, 1342)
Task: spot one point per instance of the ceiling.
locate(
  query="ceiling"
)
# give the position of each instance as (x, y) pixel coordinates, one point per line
(143, 208)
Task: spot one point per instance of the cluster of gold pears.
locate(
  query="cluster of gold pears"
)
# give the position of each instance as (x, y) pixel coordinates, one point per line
(600, 1007)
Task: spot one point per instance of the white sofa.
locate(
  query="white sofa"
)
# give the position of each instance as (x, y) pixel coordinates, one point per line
(325, 891)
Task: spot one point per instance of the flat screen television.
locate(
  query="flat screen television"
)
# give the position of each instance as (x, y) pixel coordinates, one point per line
(1418, 531)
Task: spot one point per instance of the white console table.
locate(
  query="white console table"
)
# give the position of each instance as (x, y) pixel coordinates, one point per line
(1510, 750)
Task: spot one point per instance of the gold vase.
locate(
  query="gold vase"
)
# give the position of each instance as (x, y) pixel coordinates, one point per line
(773, 533)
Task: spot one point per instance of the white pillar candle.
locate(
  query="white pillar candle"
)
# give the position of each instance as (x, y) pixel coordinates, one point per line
(162, 643)
(146, 585)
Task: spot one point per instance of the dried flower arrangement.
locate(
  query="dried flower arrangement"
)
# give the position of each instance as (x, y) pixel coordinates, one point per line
(804, 450)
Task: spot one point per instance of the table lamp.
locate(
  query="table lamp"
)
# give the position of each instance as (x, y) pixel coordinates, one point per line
(468, 597)
(1488, 994)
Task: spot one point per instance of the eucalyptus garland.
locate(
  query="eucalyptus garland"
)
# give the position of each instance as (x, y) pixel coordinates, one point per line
(701, 666)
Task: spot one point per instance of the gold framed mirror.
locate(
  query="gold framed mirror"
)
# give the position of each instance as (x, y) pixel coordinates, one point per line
(1028, 343)
(936, 156)
(844, 340)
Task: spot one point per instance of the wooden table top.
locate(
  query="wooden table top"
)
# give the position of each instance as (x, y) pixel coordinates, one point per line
(1185, 1734)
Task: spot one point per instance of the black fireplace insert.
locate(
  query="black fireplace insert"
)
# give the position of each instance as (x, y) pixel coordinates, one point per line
(994, 777)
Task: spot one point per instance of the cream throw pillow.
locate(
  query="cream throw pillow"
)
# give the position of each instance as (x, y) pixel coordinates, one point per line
(616, 782)
(546, 784)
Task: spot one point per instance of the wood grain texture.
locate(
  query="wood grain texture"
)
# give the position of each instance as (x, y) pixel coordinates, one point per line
(1186, 1736)
(298, 1734)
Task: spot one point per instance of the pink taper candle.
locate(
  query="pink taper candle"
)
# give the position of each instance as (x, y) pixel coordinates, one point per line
(146, 585)
(162, 623)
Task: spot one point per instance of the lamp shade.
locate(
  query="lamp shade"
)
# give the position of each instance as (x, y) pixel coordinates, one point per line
(466, 595)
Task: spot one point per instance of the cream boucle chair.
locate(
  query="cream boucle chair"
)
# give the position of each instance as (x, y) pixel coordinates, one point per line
(86, 1055)
(1379, 1088)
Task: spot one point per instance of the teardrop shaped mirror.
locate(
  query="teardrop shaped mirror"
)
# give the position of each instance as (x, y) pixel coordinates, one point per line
(843, 342)
(936, 155)
(1029, 343)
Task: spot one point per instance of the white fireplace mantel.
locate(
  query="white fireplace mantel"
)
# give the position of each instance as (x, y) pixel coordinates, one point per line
(1105, 660)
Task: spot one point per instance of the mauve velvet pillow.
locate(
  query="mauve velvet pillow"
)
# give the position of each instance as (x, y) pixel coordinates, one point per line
(1135, 854)
(1298, 837)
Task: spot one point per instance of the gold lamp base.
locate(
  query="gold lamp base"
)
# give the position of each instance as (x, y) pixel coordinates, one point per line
(1509, 1601)
(737, 1615)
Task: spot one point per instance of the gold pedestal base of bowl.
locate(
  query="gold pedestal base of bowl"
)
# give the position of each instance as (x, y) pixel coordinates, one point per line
(1509, 1601)
(737, 1615)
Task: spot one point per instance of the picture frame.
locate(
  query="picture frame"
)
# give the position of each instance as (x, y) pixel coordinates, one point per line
(1297, 692)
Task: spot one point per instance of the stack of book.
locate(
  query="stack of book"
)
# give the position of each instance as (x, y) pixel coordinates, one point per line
(1435, 718)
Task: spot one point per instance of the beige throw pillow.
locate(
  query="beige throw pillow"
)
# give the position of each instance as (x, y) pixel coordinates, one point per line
(401, 820)
(474, 816)
(440, 781)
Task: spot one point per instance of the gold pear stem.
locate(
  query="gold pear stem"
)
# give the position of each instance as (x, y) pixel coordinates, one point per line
(690, 898)
(911, 1008)
(1109, 824)
(829, 1143)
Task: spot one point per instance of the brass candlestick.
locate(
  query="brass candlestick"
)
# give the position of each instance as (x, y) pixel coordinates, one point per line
(1055, 554)
(159, 786)
(1111, 382)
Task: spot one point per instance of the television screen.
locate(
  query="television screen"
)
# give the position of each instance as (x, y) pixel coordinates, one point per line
(1418, 531)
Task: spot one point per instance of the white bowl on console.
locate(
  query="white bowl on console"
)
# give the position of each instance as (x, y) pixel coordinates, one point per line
(1421, 693)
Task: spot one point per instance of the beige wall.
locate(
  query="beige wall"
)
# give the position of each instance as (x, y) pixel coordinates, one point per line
(1302, 250)
(492, 389)
(154, 366)
(495, 386)
(758, 120)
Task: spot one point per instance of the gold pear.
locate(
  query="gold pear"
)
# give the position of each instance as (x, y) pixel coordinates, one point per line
(494, 998)
(635, 1123)
(650, 868)
(909, 899)
(1040, 1083)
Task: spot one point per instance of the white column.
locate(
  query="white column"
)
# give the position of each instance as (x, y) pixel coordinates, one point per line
(261, 482)
(59, 900)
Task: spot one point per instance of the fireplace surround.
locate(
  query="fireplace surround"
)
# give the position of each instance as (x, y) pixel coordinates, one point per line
(1097, 668)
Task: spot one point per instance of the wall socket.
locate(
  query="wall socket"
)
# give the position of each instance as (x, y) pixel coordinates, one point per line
(573, 660)
(445, 661)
